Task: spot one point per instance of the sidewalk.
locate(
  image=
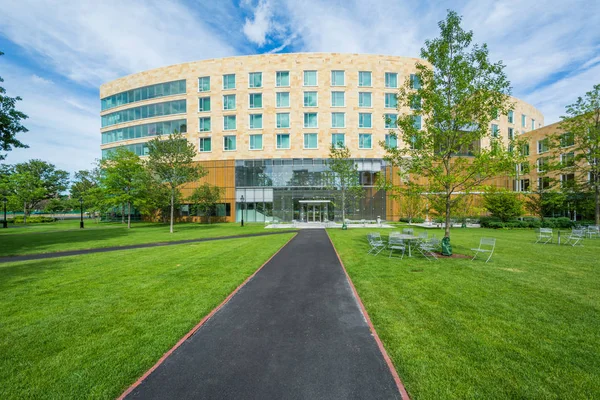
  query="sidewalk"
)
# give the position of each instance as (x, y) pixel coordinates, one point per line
(295, 331)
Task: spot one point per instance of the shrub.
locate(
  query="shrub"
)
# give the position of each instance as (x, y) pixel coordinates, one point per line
(32, 219)
(502, 204)
(415, 220)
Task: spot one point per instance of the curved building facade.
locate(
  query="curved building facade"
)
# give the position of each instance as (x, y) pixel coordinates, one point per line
(263, 125)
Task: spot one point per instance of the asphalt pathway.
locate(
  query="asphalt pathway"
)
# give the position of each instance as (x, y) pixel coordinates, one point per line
(43, 256)
(295, 331)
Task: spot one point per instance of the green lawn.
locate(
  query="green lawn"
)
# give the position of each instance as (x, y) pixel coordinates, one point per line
(65, 235)
(89, 326)
(525, 325)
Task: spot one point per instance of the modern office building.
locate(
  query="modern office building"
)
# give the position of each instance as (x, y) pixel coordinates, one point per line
(263, 125)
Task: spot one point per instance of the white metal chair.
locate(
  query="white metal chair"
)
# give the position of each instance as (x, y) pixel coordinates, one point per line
(576, 236)
(544, 235)
(408, 231)
(428, 247)
(396, 244)
(486, 245)
(593, 231)
(423, 236)
(377, 245)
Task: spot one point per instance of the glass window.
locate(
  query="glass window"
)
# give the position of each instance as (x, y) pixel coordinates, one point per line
(511, 133)
(229, 81)
(229, 122)
(541, 164)
(415, 102)
(337, 140)
(282, 79)
(532, 123)
(141, 112)
(337, 78)
(205, 144)
(417, 121)
(283, 99)
(364, 120)
(338, 120)
(391, 80)
(391, 141)
(525, 149)
(283, 140)
(310, 141)
(364, 141)
(310, 78)
(495, 130)
(511, 116)
(143, 93)
(256, 142)
(523, 120)
(256, 121)
(415, 82)
(310, 99)
(283, 120)
(391, 121)
(567, 139)
(567, 159)
(204, 104)
(255, 80)
(390, 100)
(337, 99)
(255, 100)
(310, 120)
(364, 99)
(543, 146)
(203, 84)
(229, 143)
(229, 102)
(204, 124)
(364, 78)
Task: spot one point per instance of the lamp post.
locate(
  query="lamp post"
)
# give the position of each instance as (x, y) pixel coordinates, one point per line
(81, 220)
(4, 222)
(242, 210)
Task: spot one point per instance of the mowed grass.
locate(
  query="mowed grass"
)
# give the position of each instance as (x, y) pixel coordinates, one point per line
(44, 239)
(89, 326)
(526, 325)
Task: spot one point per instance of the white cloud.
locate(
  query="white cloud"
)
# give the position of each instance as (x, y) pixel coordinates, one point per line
(92, 42)
(257, 29)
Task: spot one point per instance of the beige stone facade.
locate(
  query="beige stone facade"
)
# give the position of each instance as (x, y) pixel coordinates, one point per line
(296, 64)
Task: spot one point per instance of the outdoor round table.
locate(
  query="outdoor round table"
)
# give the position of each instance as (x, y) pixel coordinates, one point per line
(408, 238)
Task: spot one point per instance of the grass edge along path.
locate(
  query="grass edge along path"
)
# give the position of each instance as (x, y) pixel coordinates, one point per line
(95, 323)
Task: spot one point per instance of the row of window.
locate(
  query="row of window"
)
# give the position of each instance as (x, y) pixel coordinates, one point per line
(338, 120)
(310, 99)
(145, 130)
(511, 120)
(282, 142)
(310, 78)
(544, 182)
(143, 93)
(147, 111)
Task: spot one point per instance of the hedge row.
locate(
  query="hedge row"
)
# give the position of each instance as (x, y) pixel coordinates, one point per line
(559, 223)
(31, 219)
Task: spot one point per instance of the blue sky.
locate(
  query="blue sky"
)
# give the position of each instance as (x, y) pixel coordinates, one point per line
(59, 52)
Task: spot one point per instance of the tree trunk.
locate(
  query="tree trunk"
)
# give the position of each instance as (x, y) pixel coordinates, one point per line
(172, 209)
(122, 213)
(24, 213)
(597, 196)
(447, 228)
(128, 215)
(343, 207)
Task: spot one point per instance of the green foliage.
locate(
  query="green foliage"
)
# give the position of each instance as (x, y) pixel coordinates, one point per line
(502, 204)
(496, 223)
(205, 198)
(542, 203)
(344, 176)
(10, 122)
(171, 163)
(86, 184)
(19, 219)
(460, 91)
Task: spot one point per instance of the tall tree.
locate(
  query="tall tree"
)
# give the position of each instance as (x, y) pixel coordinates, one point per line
(205, 198)
(86, 185)
(34, 181)
(122, 177)
(171, 161)
(10, 121)
(581, 136)
(344, 176)
(455, 97)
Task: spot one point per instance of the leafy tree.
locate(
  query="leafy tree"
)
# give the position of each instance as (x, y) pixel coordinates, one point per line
(10, 122)
(56, 205)
(205, 198)
(34, 181)
(155, 199)
(344, 176)
(86, 185)
(122, 178)
(502, 204)
(171, 161)
(581, 135)
(544, 200)
(455, 96)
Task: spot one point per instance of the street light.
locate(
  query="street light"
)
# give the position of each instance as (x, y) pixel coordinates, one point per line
(242, 210)
(4, 222)
(81, 221)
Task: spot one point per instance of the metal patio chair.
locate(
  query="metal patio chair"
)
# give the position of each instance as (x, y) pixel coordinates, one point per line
(428, 248)
(486, 245)
(396, 244)
(544, 235)
(408, 231)
(576, 236)
(377, 245)
(593, 231)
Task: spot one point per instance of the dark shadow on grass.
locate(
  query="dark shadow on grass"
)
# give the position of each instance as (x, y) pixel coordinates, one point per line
(28, 272)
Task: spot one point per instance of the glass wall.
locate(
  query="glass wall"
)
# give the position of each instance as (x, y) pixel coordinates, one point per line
(143, 93)
(147, 111)
(140, 131)
(141, 149)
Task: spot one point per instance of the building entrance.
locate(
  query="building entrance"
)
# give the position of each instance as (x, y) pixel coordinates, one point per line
(315, 210)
